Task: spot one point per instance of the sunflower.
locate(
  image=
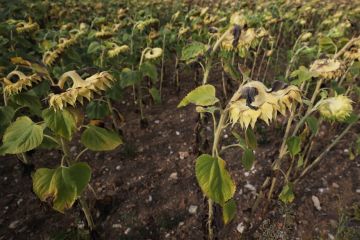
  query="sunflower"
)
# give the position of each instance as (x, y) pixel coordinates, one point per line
(255, 101)
(327, 68)
(105, 32)
(116, 50)
(336, 108)
(23, 82)
(27, 27)
(354, 52)
(153, 53)
(80, 89)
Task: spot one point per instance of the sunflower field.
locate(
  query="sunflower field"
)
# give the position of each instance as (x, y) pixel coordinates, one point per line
(189, 119)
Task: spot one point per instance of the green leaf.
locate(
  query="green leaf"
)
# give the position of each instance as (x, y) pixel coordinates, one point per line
(28, 100)
(60, 122)
(248, 159)
(302, 74)
(21, 136)
(62, 185)
(250, 139)
(97, 110)
(129, 77)
(48, 144)
(300, 162)
(193, 51)
(100, 139)
(6, 115)
(155, 94)
(149, 70)
(93, 47)
(313, 124)
(294, 145)
(229, 211)
(287, 194)
(203, 96)
(240, 140)
(214, 179)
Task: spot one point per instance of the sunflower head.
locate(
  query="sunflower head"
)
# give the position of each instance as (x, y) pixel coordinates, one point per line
(105, 32)
(238, 19)
(80, 89)
(327, 68)
(116, 50)
(153, 53)
(22, 82)
(254, 101)
(27, 27)
(354, 52)
(336, 108)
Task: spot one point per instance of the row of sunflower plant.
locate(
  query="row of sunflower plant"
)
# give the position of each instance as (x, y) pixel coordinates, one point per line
(66, 63)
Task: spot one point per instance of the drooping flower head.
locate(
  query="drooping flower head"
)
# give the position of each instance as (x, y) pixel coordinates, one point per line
(256, 101)
(336, 108)
(327, 68)
(153, 53)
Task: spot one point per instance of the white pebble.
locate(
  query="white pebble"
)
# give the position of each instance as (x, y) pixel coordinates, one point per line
(173, 176)
(118, 167)
(240, 227)
(127, 231)
(250, 187)
(193, 209)
(157, 121)
(177, 133)
(316, 202)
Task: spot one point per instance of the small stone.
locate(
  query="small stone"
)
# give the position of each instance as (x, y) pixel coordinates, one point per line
(73, 149)
(335, 185)
(183, 155)
(346, 150)
(250, 187)
(173, 176)
(226, 136)
(118, 167)
(116, 225)
(316, 202)
(357, 190)
(240, 227)
(193, 209)
(157, 121)
(127, 231)
(177, 133)
(19, 201)
(14, 224)
(167, 235)
(331, 237)
(246, 174)
(149, 199)
(181, 223)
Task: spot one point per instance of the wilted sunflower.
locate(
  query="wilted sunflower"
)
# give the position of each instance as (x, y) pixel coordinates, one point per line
(23, 82)
(80, 89)
(256, 101)
(153, 53)
(105, 32)
(116, 50)
(50, 57)
(182, 31)
(26, 27)
(336, 108)
(238, 19)
(141, 25)
(354, 52)
(327, 68)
